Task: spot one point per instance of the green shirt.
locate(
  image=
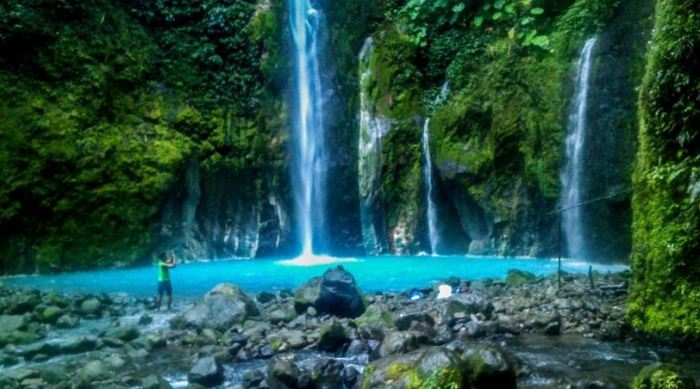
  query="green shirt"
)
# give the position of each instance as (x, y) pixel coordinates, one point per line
(163, 272)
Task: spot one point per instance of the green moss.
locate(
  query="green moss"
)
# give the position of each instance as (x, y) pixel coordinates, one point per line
(659, 377)
(665, 291)
(445, 378)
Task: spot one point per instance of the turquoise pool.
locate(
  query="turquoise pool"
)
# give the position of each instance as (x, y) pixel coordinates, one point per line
(386, 273)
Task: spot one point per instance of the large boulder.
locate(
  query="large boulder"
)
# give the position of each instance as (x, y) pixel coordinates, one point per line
(468, 304)
(517, 277)
(332, 336)
(328, 374)
(335, 293)
(282, 373)
(489, 367)
(206, 372)
(12, 323)
(433, 367)
(222, 307)
(93, 373)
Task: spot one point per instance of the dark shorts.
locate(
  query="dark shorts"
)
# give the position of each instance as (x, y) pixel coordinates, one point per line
(165, 287)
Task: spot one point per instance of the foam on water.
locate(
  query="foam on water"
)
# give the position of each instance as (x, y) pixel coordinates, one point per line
(314, 260)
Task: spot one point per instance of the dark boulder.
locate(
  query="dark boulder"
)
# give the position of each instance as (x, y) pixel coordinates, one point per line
(328, 374)
(332, 336)
(467, 304)
(335, 293)
(489, 367)
(434, 367)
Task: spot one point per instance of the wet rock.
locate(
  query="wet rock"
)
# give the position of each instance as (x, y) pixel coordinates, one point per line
(51, 314)
(207, 372)
(468, 304)
(79, 344)
(68, 321)
(125, 334)
(10, 323)
(397, 342)
(24, 301)
(293, 338)
(519, 277)
(611, 331)
(282, 374)
(377, 316)
(265, 297)
(17, 337)
(306, 295)
(155, 382)
(54, 375)
(406, 319)
(267, 351)
(222, 307)
(357, 347)
(253, 379)
(93, 373)
(145, 319)
(351, 377)
(435, 367)
(489, 367)
(332, 336)
(115, 361)
(553, 329)
(328, 374)
(91, 306)
(282, 316)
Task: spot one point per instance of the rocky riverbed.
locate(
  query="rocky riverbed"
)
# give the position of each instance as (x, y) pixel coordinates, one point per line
(524, 331)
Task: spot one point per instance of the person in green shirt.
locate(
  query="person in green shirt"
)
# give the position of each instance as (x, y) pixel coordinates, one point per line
(165, 263)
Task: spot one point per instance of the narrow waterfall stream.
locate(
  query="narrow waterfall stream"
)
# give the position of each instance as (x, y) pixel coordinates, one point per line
(306, 22)
(433, 234)
(571, 176)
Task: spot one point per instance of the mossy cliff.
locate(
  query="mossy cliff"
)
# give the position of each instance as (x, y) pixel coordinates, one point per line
(121, 119)
(666, 241)
(497, 139)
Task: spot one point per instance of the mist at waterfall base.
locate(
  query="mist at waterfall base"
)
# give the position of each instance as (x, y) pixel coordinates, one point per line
(382, 273)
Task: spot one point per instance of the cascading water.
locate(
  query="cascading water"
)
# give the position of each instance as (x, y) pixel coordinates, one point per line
(433, 234)
(306, 22)
(572, 174)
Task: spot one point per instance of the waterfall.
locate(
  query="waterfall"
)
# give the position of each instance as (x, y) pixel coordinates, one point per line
(306, 22)
(372, 129)
(572, 174)
(433, 234)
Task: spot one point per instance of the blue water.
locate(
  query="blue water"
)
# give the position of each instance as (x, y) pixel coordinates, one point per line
(386, 273)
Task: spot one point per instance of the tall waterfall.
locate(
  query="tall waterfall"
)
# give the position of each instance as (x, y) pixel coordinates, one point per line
(433, 234)
(306, 23)
(572, 174)
(372, 129)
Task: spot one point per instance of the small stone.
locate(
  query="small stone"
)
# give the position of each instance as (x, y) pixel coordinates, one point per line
(51, 314)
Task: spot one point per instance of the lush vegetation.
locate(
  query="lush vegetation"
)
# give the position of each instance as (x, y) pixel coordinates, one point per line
(666, 288)
(103, 102)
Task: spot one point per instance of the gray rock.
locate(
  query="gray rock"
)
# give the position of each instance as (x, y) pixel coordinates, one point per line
(415, 368)
(282, 374)
(12, 323)
(79, 344)
(398, 342)
(406, 319)
(68, 321)
(51, 314)
(54, 375)
(125, 333)
(328, 374)
(469, 304)
(93, 372)
(155, 382)
(265, 297)
(552, 329)
(207, 372)
(222, 307)
(91, 306)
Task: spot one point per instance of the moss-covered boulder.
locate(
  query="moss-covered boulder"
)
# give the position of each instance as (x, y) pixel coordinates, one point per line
(659, 376)
(377, 316)
(434, 367)
(517, 277)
